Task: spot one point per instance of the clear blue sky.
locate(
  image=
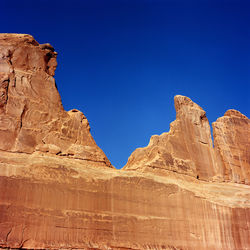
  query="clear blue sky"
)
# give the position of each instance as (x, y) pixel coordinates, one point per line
(122, 62)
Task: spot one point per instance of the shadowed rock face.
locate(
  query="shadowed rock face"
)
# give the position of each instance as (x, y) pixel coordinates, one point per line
(59, 191)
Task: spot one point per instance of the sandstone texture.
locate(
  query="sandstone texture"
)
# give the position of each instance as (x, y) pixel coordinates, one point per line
(31, 114)
(232, 145)
(188, 148)
(58, 190)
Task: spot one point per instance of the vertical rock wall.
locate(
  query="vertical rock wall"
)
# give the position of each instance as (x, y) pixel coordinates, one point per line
(232, 145)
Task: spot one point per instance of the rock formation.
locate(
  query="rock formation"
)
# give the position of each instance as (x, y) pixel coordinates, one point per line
(232, 145)
(59, 191)
(31, 114)
(188, 148)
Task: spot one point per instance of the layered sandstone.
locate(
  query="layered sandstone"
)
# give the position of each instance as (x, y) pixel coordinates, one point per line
(52, 203)
(59, 191)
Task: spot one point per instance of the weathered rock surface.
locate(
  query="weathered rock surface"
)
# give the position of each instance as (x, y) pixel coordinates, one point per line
(232, 145)
(31, 114)
(53, 203)
(59, 191)
(188, 148)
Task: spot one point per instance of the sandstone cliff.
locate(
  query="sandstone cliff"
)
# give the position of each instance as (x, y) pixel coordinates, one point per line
(188, 148)
(31, 114)
(59, 191)
(232, 145)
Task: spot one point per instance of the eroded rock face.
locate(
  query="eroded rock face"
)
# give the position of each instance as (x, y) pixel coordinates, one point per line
(50, 202)
(232, 145)
(58, 191)
(31, 114)
(186, 149)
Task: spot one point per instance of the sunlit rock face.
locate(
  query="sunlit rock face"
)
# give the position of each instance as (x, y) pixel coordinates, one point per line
(31, 114)
(59, 191)
(232, 144)
(186, 149)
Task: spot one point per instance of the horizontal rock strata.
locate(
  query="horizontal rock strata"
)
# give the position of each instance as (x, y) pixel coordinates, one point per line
(50, 202)
(58, 190)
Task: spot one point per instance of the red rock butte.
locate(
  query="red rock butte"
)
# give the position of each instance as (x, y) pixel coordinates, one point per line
(58, 190)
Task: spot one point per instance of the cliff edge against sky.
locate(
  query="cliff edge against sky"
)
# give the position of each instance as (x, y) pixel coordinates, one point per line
(59, 190)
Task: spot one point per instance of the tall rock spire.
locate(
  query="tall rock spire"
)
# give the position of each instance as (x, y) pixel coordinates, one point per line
(187, 148)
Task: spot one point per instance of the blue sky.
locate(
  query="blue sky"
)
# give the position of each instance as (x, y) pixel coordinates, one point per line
(121, 62)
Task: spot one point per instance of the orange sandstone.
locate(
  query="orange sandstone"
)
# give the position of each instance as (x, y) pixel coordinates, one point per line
(58, 190)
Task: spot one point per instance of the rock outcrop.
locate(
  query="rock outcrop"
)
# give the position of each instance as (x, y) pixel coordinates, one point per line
(188, 148)
(59, 191)
(32, 117)
(232, 145)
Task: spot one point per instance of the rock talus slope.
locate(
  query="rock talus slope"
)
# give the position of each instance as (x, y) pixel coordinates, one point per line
(59, 191)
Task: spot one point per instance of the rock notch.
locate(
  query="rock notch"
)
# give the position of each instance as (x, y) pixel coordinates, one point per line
(59, 191)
